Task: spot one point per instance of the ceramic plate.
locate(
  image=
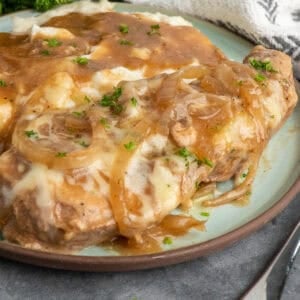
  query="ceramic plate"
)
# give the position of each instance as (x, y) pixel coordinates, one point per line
(276, 183)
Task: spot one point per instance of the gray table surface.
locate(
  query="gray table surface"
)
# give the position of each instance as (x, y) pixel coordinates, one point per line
(223, 275)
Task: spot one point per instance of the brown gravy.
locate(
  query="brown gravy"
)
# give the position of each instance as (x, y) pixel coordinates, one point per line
(28, 62)
(151, 240)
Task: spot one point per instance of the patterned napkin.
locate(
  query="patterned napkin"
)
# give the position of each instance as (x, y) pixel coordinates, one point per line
(274, 24)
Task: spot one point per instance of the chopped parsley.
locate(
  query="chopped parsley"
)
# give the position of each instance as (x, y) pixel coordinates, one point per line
(79, 114)
(104, 122)
(207, 162)
(83, 144)
(87, 99)
(81, 60)
(53, 42)
(133, 101)
(45, 52)
(126, 42)
(248, 193)
(130, 146)
(183, 152)
(111, 101)
(123, 28)
(261, 65)
(154, 29)
(240, 82)
(198, 185)
(168, 240)
(31, 134)
(244, 175)
(61, 154)
(2, 83)
(204, 214)
(259, 78)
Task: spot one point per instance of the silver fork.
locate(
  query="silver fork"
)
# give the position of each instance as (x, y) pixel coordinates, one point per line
(283, 260)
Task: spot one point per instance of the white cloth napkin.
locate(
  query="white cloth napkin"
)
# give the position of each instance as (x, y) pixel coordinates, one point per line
(274, 24)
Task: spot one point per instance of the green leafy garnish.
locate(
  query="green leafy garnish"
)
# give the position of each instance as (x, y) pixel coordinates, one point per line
(87, 99)
(79, 114)
(198, 185)
(111, 101)
(31, 134)
(259, 78)
(104, 122)
(261, 65)
(123, 28)
(154, 29)
(45, 52)
(244, 175)
(83, 144)
(126, 42)
(81, 60)
(43, 5)
(204, 214)
(240, 82)
(168, 240)
(130, 146)
(133, 101)
(183, 152)
(248, 193)
(207, 162)
(2, 83)
(61, 154)
(8, 6)
(53, 42)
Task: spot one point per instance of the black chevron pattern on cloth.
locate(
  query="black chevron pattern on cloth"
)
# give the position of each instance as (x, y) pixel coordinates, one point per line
(289, 44)
(270, 7)
(296, 15)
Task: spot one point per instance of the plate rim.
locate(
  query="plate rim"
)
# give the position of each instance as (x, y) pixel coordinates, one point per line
(148, 261)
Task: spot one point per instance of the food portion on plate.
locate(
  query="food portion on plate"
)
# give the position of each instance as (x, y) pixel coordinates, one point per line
(110, 121)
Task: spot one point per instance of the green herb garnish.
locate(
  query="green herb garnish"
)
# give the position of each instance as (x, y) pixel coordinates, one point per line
(133, 101)
(61, 154)
(45, 52)
(81, 60)
(154, 29)
(183, 152)
(207, 162)
(168, 240)
(104, 122)
(79, 114)
(130, 146)
(204, 214)
(123, 28)
(31, 134)
(2, 83)
(261, 65)
(259, 78)
(111, 101)
(244, 175)
(87, 99)
(240, 82)
(53, 42)
(126, 42)
(83, 144)
(198, 185)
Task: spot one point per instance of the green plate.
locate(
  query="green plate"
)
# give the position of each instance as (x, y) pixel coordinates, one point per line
(276, 183)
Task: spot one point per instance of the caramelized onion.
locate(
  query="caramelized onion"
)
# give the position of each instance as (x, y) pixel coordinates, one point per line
(119, 197)
(36, 151)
